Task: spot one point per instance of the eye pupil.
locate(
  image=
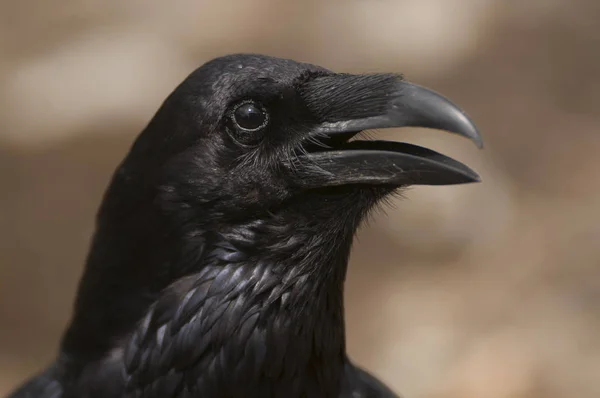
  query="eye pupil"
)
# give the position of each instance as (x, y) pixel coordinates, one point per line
(249, 116)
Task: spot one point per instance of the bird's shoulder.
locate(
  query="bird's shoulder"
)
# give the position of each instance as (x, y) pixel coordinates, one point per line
(358, 383)
(44, 385)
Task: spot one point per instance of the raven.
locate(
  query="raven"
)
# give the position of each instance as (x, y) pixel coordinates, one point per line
(218, 262)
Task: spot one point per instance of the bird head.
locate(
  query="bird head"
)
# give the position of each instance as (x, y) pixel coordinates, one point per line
(245, 134)
(253, 156)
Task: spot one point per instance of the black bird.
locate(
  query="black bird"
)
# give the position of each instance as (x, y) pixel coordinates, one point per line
(218, 263)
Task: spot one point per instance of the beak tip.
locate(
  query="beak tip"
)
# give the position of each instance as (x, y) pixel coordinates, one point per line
(471, 178)
(470, 132)
(476, 138)
(467, 128)
(474, 176)
(422, 107)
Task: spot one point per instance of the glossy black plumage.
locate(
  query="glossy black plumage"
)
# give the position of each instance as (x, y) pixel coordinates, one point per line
(220, 253)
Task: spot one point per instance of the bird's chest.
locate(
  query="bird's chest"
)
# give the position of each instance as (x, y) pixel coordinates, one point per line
(270, 340)
(286, 349)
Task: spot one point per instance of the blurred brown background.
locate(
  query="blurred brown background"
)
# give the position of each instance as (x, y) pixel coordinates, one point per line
(483, 291)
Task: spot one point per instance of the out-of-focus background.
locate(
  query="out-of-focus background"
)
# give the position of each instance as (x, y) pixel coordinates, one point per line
(483, 291)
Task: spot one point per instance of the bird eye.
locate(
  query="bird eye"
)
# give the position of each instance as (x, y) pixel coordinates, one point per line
(250, 116)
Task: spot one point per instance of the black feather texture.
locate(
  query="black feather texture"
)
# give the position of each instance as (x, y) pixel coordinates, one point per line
(218, 262)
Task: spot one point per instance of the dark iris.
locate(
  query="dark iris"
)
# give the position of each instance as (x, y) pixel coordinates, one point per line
(249, 116)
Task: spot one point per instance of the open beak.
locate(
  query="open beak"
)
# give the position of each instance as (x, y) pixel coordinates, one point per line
(346, 104)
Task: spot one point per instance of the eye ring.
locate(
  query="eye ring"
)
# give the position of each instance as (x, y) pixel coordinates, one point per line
(249, 116)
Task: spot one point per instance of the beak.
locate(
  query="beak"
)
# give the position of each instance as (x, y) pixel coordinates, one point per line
(345, 105)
